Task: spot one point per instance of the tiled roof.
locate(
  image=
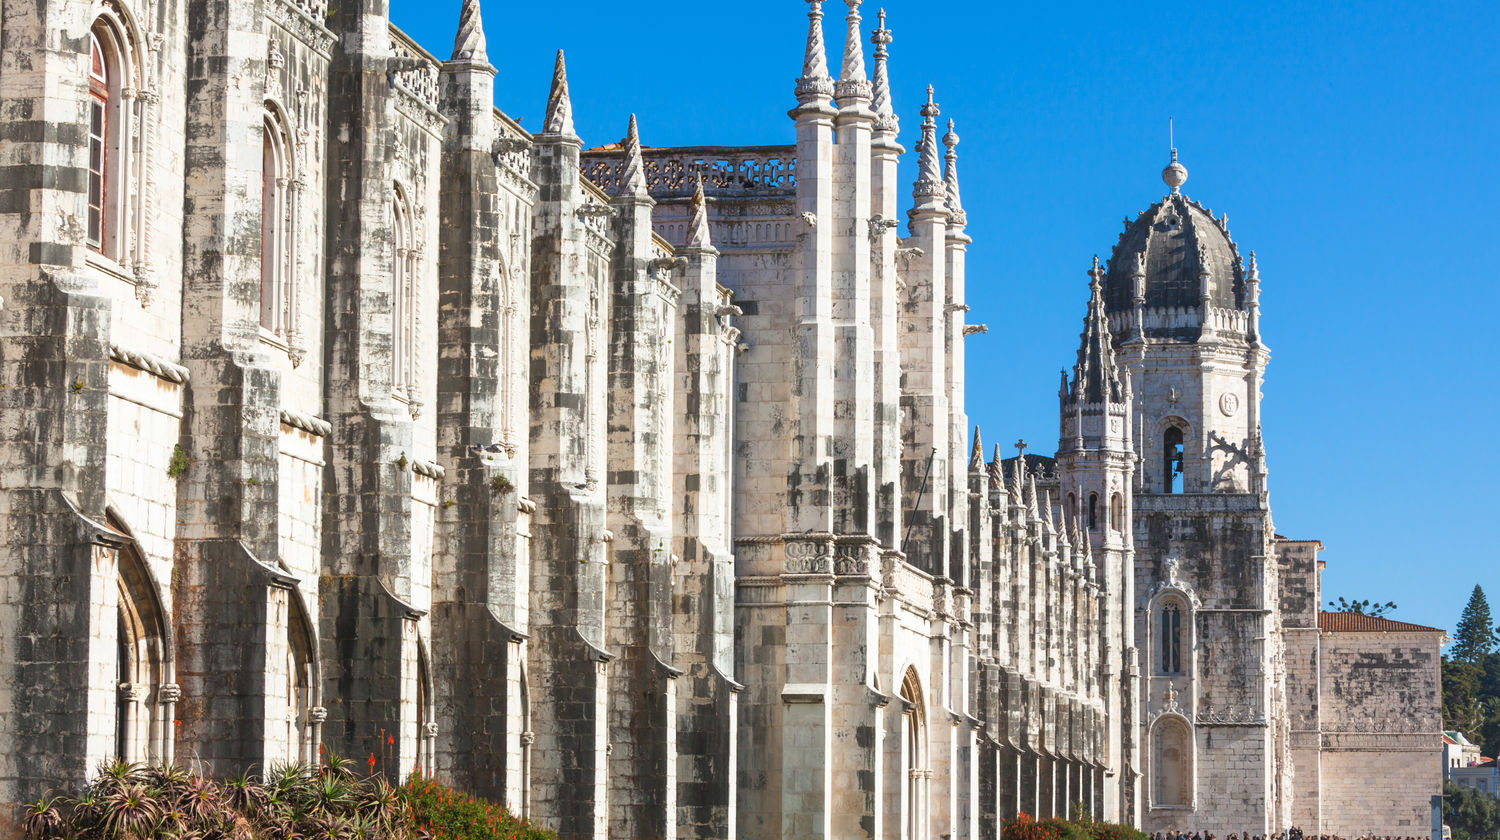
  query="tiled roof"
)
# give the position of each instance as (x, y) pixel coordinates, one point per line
(1348, 622)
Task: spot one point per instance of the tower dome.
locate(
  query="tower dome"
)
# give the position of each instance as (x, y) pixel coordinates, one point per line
(1173, 256)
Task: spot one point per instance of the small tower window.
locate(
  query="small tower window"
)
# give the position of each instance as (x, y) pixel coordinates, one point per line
(1093, 511)
(1171, 450)
(1171, 639)
(1116, 512)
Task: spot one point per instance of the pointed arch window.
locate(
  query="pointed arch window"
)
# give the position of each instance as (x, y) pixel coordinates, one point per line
(1093, 511)
(300, 679)
(100, 101)
(426, 725)
(142, 733)
(1171, 471)
(275, 225)
(1172, 763)
(1170, 638)
(913, 748)
(1116, 512)
(403, 323)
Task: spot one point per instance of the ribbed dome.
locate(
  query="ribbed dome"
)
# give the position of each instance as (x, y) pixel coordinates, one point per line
(1173, 239)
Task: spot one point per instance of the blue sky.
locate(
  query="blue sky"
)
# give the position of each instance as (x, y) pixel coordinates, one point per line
(1354, 146)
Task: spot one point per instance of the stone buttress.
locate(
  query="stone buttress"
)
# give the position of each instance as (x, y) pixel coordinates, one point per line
(569, 342)
(376, 581)
(638, 602)
(481, 584)
(703, 574)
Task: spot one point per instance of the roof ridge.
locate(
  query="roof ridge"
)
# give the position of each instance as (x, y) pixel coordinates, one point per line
(1353, 622)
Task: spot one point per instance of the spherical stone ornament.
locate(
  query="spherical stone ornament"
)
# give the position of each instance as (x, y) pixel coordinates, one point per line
(1229, 404)
(1175, 175)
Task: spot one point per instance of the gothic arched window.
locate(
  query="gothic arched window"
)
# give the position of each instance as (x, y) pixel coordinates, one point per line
(1169, 640)
(1116, 512)
(1093, 511)
(106, 119)
(275, 216)
(1171, 450)
(403, 295)
(913, 747)
(1171, 760)
(142, 733)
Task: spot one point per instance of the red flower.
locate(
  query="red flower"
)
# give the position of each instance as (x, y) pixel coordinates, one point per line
(371, 762)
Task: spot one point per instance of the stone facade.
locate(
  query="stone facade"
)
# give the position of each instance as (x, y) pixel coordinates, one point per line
(632, 487)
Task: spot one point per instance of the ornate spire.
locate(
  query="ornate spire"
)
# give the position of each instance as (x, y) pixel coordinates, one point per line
(633, 178)
(1043, 503)
(559, 119)
(852, 85)
(950, 178)
(976, 454)
(1031, 496)
(929, 172)
(1095, 376)
(815, 83)
(468, 44)
(698, 225)
(885, 115)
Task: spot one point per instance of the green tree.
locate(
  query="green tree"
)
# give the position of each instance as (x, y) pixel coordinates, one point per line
(1469, 813)
(1475, 637)
(1365, 607)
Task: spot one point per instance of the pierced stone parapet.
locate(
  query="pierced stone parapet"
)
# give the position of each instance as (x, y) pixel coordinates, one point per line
(414, 71)
(749, 171)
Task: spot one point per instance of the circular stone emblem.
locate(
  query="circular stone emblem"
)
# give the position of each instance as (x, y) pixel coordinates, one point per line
(1229, 404)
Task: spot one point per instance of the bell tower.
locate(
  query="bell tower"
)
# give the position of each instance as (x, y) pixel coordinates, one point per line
(1183, 312)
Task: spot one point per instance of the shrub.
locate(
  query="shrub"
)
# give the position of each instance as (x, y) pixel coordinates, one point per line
(1114, 831)
(131, 801)
(1024, 827)
(442, 813)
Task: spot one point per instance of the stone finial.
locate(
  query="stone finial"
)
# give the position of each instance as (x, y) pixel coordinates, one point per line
(1096, 377)
(559, 119)
(852, 85)
(976, 454)
(468, 44)
(950, 178)
(698, 225)
(1252, 272)
(929, 183)
(1175, 175)
(815, 83)
(633, 176)
(885, 115)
